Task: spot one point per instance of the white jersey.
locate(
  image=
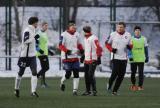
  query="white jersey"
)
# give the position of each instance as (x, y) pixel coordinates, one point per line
(28, 47)
(70, 42)
(90, 48)
(120, 43)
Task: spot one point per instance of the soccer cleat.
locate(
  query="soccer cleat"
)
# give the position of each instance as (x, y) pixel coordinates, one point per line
(34, 94)
(16, 92)
(75, 93)
(94, 93)
(86, 93)
(44, 86)
(115, 94)
(62, 86)
(133, 88)
(140, 88)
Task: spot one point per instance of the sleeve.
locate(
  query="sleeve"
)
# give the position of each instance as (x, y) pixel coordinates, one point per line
(62, 43)
(27, 38)
(37, 44)
(79, 44)
(108, 43)
(145, 42)
(98, 48)
(130, 44)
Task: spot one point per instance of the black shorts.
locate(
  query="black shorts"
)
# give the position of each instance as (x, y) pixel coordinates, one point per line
(26, 61)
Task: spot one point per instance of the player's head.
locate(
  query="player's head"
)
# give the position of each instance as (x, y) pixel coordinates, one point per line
(87, 30)
(33, 21)
(71, 28)
(44, 26)
(121, 27)
(137, 30)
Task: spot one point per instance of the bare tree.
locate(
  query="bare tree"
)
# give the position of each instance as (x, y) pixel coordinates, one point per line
(18, 28)
(75, 9)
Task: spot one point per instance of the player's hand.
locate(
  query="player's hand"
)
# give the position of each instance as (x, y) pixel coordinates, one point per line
(147, 60)
(98, 60)
(114, 50)
(82, 58)
(69, 52)
(41, 51)
(128, 47)
(36, 36)
(130, 59)
(81, 52)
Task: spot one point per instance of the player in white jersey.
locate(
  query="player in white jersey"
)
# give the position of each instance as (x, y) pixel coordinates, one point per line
(70, 46)
(93, 52)
(28, 56)
(118, 42)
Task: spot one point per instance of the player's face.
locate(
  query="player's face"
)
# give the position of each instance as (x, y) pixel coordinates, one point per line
(45, 27)
(35, 25)
(120, 28)
(72, 29)
(137, 32)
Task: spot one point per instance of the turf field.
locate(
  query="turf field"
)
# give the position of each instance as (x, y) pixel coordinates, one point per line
(53, 98)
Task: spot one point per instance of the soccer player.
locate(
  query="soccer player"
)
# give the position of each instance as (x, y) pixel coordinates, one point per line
(42, 53)
(93, 52)
(118, 42)
(138, 56)
(70, 46)
(28, 56)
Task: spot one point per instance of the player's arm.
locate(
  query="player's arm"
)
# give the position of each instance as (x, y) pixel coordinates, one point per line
(38, 44)
(146, 50)
(80, 46)
(27, 37)
(61, 44)
(108, 43)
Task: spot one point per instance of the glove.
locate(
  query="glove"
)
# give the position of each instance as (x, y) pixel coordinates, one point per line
(37, 41)
(82, 52)
(82, 58)
(37, 36)
(130, 59)
(114, 50)
(147, 60)
(98, 60)
(128, 47)
(69, 52)
(41, 51)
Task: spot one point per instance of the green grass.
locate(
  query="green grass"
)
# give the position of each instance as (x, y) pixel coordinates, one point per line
(54, 98)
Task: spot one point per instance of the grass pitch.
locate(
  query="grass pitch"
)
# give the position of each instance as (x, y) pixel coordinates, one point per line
(54, 98)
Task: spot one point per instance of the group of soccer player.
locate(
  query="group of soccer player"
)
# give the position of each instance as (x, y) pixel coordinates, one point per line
(121, 44)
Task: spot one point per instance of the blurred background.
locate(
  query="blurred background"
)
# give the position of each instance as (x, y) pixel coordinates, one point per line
(101, 15)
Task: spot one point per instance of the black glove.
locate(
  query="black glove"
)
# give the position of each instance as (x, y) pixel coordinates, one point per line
(69, 52)
(98, 60)
(37, 41)
(36, 36)
(81, 52)
(82, 58)
(128, 47)
(41, 51)
(130, 59)
(114, 50)
(51, 52)
(147, 60)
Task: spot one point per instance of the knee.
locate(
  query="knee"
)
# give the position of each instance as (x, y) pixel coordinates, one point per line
(76, 73)
(68, 75)
(34, 73)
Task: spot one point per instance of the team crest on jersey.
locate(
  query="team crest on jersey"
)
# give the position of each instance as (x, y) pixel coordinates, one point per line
(126, 37)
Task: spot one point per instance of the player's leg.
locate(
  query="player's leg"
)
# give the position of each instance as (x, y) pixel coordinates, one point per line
(75, 68)
(33, 67)
(92, 78)
(120, 77)
(18, 81)
(141, 75)
(115, 67)
(67, 75)
(87, 80)
(44, 67)
(133, 76)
